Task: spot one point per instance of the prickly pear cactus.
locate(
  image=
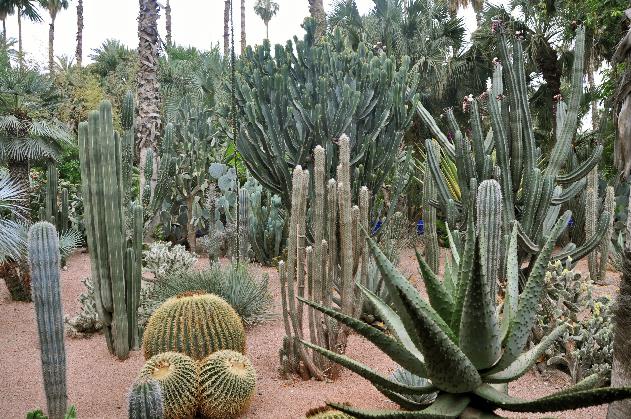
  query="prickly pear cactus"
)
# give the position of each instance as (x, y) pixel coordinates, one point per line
(196, 324)
(227, 384)
(177, 376)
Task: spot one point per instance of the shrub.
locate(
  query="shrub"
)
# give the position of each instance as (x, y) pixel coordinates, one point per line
(164, 259)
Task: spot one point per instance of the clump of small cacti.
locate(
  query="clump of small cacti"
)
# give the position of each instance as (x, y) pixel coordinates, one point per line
(196, 324)
(86, 322)
(164, 259)
(145, 400)
(227, 384)
(177, 375)
(44, 260)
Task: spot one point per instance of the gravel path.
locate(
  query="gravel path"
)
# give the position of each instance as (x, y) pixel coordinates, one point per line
(98, 382)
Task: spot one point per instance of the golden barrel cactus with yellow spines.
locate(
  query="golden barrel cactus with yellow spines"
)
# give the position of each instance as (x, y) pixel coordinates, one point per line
(196, 324)
(227, 384)
(177, 375)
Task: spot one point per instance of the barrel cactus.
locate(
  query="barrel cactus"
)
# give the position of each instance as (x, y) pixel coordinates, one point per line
(196, 324)
(227, 384)
(43, 259)
(327, 412)
(177, 376)
(145, 400)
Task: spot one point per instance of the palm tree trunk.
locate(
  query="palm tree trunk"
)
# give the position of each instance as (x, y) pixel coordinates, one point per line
(621, 366)
(167, 12)
(4, 28)
(51, 44)
(149, 122)
(20, 49)
(79, 50)
(243, 43)
(591, 67)
(266, 30)
(226, 32)
(316, 8)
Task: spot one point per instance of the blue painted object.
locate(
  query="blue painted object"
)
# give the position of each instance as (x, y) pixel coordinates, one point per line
(376, 227)
(420, 227)
(570, 222)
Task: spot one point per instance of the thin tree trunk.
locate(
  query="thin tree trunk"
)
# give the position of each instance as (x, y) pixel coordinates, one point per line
(226, 32)
(243, 42)
(4, 29)
(20, 49)
(266, 30)
(591, 67)
(167, 12)
(149, 122)
(79, 50)
(621, 366)
(316, 8)
(51, 45)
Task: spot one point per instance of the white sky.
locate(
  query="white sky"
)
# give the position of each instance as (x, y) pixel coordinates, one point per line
(198, 23)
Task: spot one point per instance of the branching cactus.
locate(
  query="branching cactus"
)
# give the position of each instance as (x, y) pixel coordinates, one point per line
(458, 339)
(532, 192)
(44, 259)
(318, 271)
(115, 258)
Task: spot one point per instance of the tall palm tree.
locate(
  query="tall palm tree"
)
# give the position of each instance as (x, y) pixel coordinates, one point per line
(28, 9)
(243, 42)
(53, 7)
(266, 9)
(6, 8)
(149, 121)
(226, 27)
(79, 50)
(316, 9)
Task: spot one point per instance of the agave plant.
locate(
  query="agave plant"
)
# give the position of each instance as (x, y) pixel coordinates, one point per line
(458, 340)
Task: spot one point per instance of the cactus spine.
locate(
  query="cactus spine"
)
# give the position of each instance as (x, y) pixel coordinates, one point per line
(114, 270)
(145, 400)
(315, 266)
(44, 259)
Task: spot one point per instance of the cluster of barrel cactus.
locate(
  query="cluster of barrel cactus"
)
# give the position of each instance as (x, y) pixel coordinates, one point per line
(307, 94)
(459, 340)
(194, 346)
(322, 271)
(532, 192)
(115, 253)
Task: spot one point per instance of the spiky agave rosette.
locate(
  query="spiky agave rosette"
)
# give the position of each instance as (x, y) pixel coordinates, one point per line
(458, 340)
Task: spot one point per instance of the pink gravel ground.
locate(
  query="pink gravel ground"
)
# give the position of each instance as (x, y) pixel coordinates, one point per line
(98, 382)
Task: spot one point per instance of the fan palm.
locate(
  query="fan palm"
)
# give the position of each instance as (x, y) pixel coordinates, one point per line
(28, 9)
(6, 8)
(11, 197)
(53, 7)
(266, 9)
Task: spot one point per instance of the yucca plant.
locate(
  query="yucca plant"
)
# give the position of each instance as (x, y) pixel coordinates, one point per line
(458, 340)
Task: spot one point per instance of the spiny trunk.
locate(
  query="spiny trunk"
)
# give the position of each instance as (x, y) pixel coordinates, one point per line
(167, 11)
(20, 49)
(243, 42)
(226, 32)
(79, 50)
(149, 122)
(316, 8)
(621, 366)
(51, 44)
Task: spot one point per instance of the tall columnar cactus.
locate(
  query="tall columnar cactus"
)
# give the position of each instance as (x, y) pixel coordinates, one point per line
(227, 383)
(128, 112)
(196, 324)
(177, 375)
(52, 190)
(458, 340)
(145, 400)
(598, 258)
(489, 219)
(44, 259)
(244, 221)
(532, 193)
(322, 270)
(430, 237)
(286, 108)
(114, 259)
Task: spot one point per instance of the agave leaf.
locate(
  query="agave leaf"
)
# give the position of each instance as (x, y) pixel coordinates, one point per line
(446, 406)
(402, 400)
(587, 383)
(464, 274)
(392, 320)
(523, 321)
(448, 280)
(391, 347)
(523, 363)
(395, 281)
(439, 298)
(479, 336)
(369, 374)
(555, 402)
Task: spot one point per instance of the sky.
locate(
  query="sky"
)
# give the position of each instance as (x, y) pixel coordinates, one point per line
(197, 23)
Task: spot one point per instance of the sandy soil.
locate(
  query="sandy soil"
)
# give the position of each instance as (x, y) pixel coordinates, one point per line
(98, 382)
